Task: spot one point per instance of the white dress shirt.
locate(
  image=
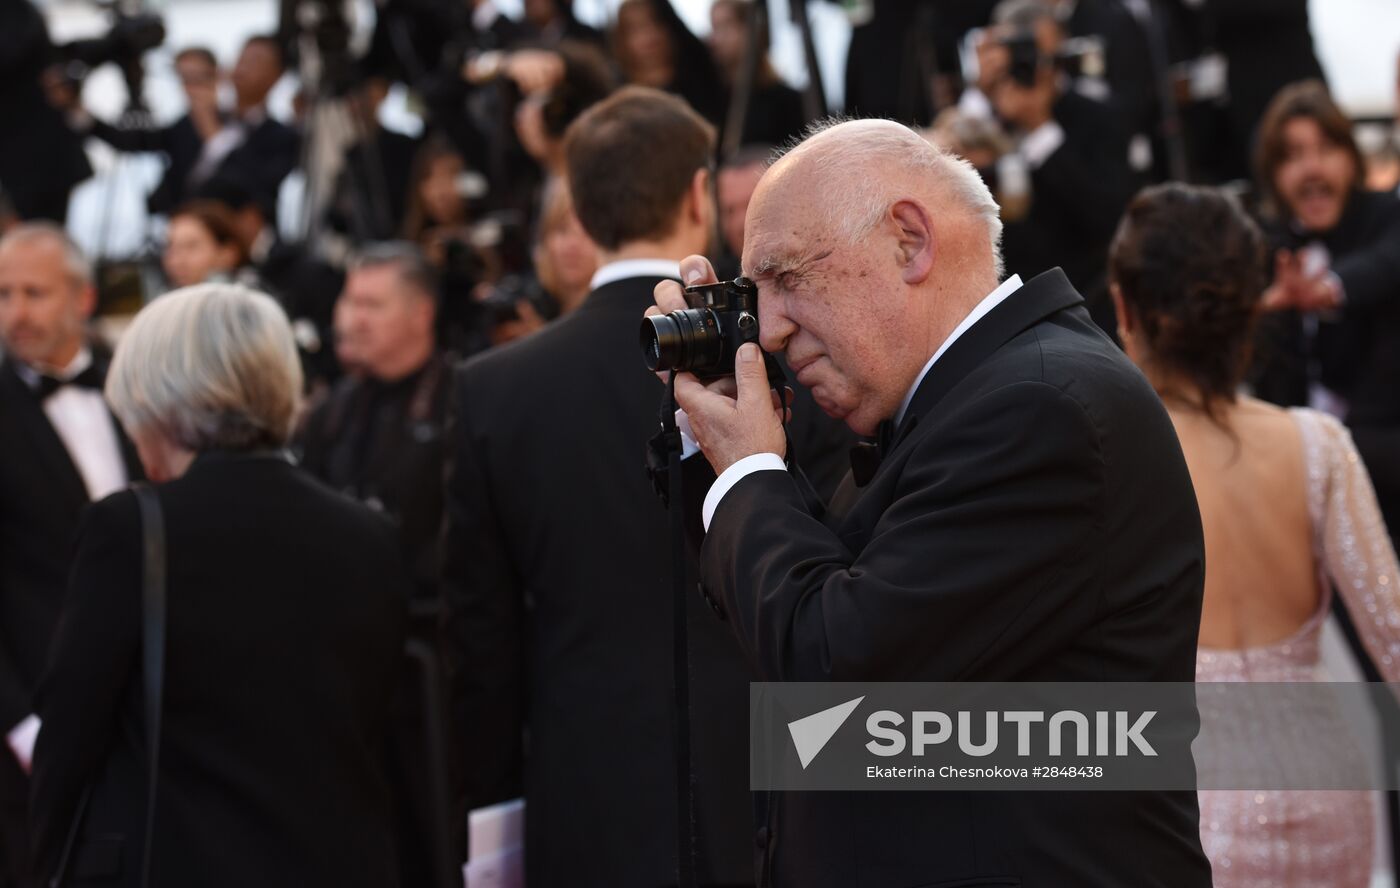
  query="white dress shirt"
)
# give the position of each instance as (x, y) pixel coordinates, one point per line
(760, 462)
(623, 269)
(85, 426)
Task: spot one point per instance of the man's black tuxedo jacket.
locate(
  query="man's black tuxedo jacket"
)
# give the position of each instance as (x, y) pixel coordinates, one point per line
(285, 629)
(557, 580)
(260, 163)
(1077, 197)
(42, 496)
(1034, 521)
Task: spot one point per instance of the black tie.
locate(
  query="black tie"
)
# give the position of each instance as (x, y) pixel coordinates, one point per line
(867, 455)
(88, 378)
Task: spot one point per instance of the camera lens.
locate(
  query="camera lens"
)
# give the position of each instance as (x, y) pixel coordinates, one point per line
(681, 340)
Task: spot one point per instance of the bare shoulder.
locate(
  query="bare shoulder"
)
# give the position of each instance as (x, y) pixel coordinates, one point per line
(1265, 426)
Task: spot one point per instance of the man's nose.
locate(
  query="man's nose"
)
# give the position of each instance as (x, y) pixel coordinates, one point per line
(16, 310)
(774, 328)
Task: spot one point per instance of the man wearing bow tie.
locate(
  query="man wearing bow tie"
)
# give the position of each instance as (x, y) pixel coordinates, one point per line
(1028, 517)
(59, 450)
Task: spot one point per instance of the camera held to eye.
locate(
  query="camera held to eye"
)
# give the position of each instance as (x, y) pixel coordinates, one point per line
(1076, 57)
(704, 338)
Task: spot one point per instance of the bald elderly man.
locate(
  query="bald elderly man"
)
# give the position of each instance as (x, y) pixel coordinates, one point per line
(1029, 518)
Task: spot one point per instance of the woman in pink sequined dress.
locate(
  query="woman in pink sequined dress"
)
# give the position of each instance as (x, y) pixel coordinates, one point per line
(1288, 511)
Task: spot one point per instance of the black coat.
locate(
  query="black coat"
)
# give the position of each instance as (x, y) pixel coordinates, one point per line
(382, 443)
(1034, 521)
(1267, 44)
(1077, 197)
(260, 163)
(179, 141)
(40, 158)
(284, 638)
(557, 577)
(42, 497)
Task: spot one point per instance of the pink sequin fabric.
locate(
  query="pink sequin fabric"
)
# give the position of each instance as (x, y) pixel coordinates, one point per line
(1318, 839)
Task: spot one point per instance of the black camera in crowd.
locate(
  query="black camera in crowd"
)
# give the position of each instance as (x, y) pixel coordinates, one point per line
(704, 338)
(1077, 57)
(134, 31)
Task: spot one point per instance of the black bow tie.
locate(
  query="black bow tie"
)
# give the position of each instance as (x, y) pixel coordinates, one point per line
(88, 378)
(867, 455)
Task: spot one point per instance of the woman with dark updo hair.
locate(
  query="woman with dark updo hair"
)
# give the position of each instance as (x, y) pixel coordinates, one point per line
(1288, 513)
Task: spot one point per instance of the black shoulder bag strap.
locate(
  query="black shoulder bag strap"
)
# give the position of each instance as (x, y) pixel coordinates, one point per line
(152, 652)
(153, 562)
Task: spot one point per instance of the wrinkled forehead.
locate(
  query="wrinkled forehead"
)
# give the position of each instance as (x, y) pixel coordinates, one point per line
(33, 257)
(786, 220)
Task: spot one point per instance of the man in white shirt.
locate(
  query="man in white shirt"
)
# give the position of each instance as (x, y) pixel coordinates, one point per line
(60, 450)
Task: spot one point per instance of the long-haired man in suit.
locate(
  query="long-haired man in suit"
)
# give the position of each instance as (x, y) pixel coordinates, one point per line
(60, 450)
(557, 561)
(1029, 516)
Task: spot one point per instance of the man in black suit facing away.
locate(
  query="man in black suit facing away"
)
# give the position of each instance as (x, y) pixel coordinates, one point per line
(557, 558)
(60, 450)
(1030, 519)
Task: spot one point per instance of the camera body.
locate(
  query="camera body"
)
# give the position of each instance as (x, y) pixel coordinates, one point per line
(704, 338)
(1076, 57)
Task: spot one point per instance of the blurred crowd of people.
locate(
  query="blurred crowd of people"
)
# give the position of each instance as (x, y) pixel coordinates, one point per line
(499, 221)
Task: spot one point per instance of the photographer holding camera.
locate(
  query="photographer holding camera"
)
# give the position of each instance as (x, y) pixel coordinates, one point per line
(33, 128)
(244, 143)
(1075, 147)
(1025, 516)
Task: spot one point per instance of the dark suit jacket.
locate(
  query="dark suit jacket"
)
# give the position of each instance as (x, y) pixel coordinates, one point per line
(179, 141)
(1034, 521)
(557, 577)
(40, 158)
(1077, 197)
(261, 162)
(285, 632)
(382, 442)
(1268, 44)
(41, 498)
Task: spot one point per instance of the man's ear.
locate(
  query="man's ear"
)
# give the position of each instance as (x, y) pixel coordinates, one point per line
(87, 301)
(699, 197)
(913, 229)
(425, 312)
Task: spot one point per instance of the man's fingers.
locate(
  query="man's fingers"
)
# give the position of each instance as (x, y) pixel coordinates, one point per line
(696, 398)
(669, 297)
(697, 270)
(751, 377)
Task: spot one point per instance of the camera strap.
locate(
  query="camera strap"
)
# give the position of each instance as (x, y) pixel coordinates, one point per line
(669, 438)
(664, 451)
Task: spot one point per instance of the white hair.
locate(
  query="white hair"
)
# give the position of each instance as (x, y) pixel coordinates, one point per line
(858, 201)
(74, 262)
(210, 367)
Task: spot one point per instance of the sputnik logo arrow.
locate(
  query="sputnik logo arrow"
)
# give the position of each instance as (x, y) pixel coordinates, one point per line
(811, 733)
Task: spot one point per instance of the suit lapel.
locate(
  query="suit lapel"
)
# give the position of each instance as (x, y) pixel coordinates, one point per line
(34, 424)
